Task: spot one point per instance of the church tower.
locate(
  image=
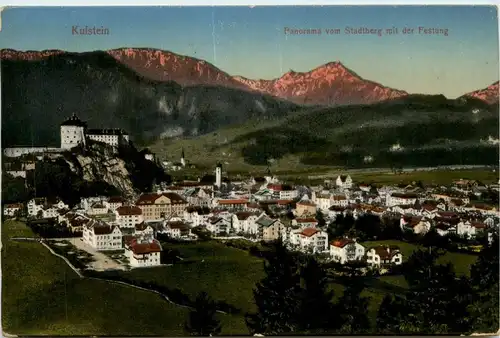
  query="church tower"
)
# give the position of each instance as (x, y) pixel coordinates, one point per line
(218, 175)
(183, 160)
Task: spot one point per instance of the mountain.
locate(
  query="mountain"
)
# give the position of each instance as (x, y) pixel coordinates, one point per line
(489, 94)
(416, 130)
(41, 92)
(329, 84)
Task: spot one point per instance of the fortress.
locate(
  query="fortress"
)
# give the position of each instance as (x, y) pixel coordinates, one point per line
(74, 132)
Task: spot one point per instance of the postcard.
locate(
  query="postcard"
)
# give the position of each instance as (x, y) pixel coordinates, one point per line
(250, 170)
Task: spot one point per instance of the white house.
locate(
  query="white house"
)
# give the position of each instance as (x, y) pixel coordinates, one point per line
(345, 250)
(128, 216)
(323, 201)
(381, 256)
(282, 191)
(197, 215)
(302, 222)
(35, 205)
(143, 253)
(309, 240)
(344, 181)
(102, 236)
(401, 199)
(218, 225)
(50, 212)
(470, 229)
(10, 209)
(144, 230)
(177, 229)
(114, 203)
(97, 208)
(245, 221)
(339, 201)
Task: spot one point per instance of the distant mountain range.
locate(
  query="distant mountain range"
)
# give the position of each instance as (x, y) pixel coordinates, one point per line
(157, 94)
(328, 84)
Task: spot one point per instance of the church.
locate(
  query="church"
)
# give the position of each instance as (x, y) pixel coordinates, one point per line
(74, 132)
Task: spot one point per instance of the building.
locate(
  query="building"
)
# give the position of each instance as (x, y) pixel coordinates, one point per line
(158, 206)
(345, 250)
(309, 240)
(244, 221)
(401, 199)
(218, 175)
(113, 137)
(11, 209)
(128, 216)
(102, 236)
(97, 208)
(72, 132)
(177, 229)
(305, 208)
(282, 191)
(270, 229)
(114, 203)
(383, 256)
(344, 181)
(143, 253)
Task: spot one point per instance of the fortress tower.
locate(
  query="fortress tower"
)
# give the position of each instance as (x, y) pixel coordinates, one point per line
(72, 132)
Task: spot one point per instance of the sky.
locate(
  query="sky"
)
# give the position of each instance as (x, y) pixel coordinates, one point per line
(252, 42)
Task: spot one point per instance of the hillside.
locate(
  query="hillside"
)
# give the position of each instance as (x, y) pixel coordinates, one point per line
(417, 130)
(38, 94)
(328, 84)
(489, 94)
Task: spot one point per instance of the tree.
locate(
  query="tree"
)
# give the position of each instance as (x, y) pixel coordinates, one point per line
(202, 320)
(277, 296)
(320, 218)
(353, 310)
(437, 300)
(485, 281)
(316, 299)
(390, 315)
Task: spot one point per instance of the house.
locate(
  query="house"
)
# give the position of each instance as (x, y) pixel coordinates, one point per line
(114, 203)
(35, 205)
(197, 215)
(143, 253)
(282, 191)
(86, 203)
(309, 222)
(218, 225)
(77, 223)
(49, 211)
(102, 236)
(128, 216)
(470, 229)
(245, 221)
(345, 250)
(199, 197)
(364, 187)
(270, 229)
(309, 240)
(238, 204)
(305, 208)
(97, 208)
(417, 224)
(323, 201)
(11, 209)
(339, 201)
(143, 230)
(344, 181)
(158, 206)
(382, 256)
(177, 229)
(401, 199)
(444, 228)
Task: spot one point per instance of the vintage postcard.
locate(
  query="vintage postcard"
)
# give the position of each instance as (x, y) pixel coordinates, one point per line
(250, 170)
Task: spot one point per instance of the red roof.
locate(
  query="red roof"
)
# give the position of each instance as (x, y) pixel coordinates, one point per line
(309, 232)
(12, 206)
(232, 201)
(306, 220)
(306, 203)
(144, 248)
(129, 210)
(116, 199)
(342, 242)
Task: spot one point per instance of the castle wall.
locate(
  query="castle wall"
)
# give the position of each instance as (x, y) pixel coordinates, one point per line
(19, 151)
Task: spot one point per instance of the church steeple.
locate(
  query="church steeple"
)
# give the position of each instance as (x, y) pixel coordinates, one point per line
(183, 161)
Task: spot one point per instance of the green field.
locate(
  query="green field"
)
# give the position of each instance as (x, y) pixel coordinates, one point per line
(74, 306)
(460, 261)
(41, 295)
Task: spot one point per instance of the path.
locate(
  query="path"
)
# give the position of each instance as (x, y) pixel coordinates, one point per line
(101, 261)
(165, 297)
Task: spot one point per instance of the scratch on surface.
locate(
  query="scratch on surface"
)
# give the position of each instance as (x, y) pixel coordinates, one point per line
(213, 35)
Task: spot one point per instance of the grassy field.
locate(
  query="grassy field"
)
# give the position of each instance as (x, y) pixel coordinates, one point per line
(460, 261)
(41, 295)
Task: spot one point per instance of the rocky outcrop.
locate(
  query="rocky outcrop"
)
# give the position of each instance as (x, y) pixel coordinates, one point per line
(100, 163)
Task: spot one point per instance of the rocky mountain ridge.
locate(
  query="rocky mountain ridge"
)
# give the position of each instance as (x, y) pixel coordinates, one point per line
(489, 94)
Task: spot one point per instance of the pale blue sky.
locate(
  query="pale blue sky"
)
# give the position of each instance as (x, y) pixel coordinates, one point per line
(251, 41)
